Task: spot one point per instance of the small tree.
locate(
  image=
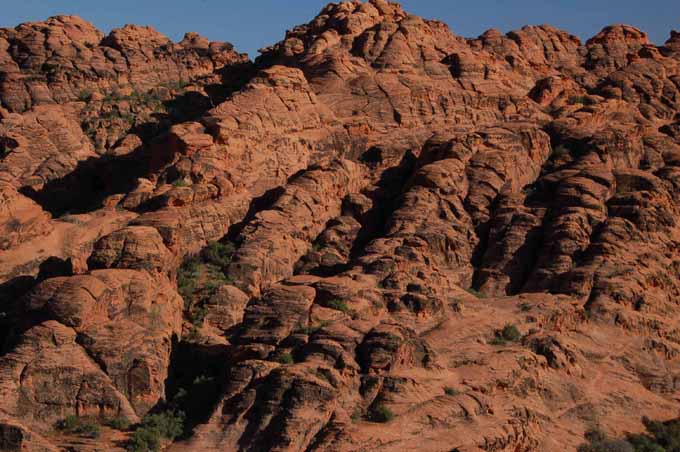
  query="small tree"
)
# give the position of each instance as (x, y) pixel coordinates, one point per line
(509, 333)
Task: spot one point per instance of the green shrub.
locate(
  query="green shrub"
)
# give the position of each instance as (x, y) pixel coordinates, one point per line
(218, 254)
(187, 277)
(170, 424)
(380, 413)
(180, 183)
(118, 423)
(598, 442)
(661, 436)
(448, 390)
(85, 95)
(509, 333)
(155, 427)
(285, 358)
(338, 305)
(89, 430)
(68, 423)
(79, 426)
(193, 271)
(145, 440)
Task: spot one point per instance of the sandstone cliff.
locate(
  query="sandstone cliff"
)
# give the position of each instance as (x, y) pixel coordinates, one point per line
(377, 236)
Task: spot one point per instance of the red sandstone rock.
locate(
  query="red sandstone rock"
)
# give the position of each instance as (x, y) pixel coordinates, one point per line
(387, 197)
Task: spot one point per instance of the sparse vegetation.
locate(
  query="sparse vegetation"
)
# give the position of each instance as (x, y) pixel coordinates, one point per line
(509, 333)
(7, 145)
(81, 426)
(448, 390)
(85, 95)
(660, 437)
(380, 413)
(197, 316)
(218, 253)
(180, 183)
(338, 305)
(156, 427)
(204, 271)
(313, 328)
(199, 277)
(598, 442)
(118, 423)
(285, 358)
(187, 278)
(144, 440)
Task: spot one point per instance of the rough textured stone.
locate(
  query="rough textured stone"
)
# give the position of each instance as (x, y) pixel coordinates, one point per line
(472, 240)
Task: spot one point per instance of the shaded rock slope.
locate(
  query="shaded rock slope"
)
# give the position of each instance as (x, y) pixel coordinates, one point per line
(378, 236)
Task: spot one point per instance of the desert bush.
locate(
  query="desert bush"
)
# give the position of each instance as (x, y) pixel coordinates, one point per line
(509, 333)
(118, 423)
(145, 440)
(661, 436)
(155, 427)
(285, 358)
(380, 413)
(218, 254)
(598, 442)
(85, 95)
(448, 390)
(338, 305)
(81, 426)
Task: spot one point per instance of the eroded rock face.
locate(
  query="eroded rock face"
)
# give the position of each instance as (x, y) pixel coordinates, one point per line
(377, 236)
(124, 321)
(56, 60)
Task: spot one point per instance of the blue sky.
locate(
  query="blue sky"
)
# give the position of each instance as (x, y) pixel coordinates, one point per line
(251, 24)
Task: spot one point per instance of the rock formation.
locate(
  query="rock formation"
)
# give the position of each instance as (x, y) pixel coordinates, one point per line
(378, 235)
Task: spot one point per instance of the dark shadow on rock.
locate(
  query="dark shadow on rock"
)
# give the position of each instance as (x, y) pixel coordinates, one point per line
(195, 380)
(14, 320)
(53, 267)
(93, 180)
(259, 204)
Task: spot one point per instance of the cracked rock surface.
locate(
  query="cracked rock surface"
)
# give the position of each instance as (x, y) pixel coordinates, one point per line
(377, 236)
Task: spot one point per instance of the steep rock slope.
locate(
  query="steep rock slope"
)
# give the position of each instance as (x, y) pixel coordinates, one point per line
(377, 236)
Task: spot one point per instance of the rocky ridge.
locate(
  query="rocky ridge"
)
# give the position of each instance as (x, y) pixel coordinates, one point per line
(377, 236)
